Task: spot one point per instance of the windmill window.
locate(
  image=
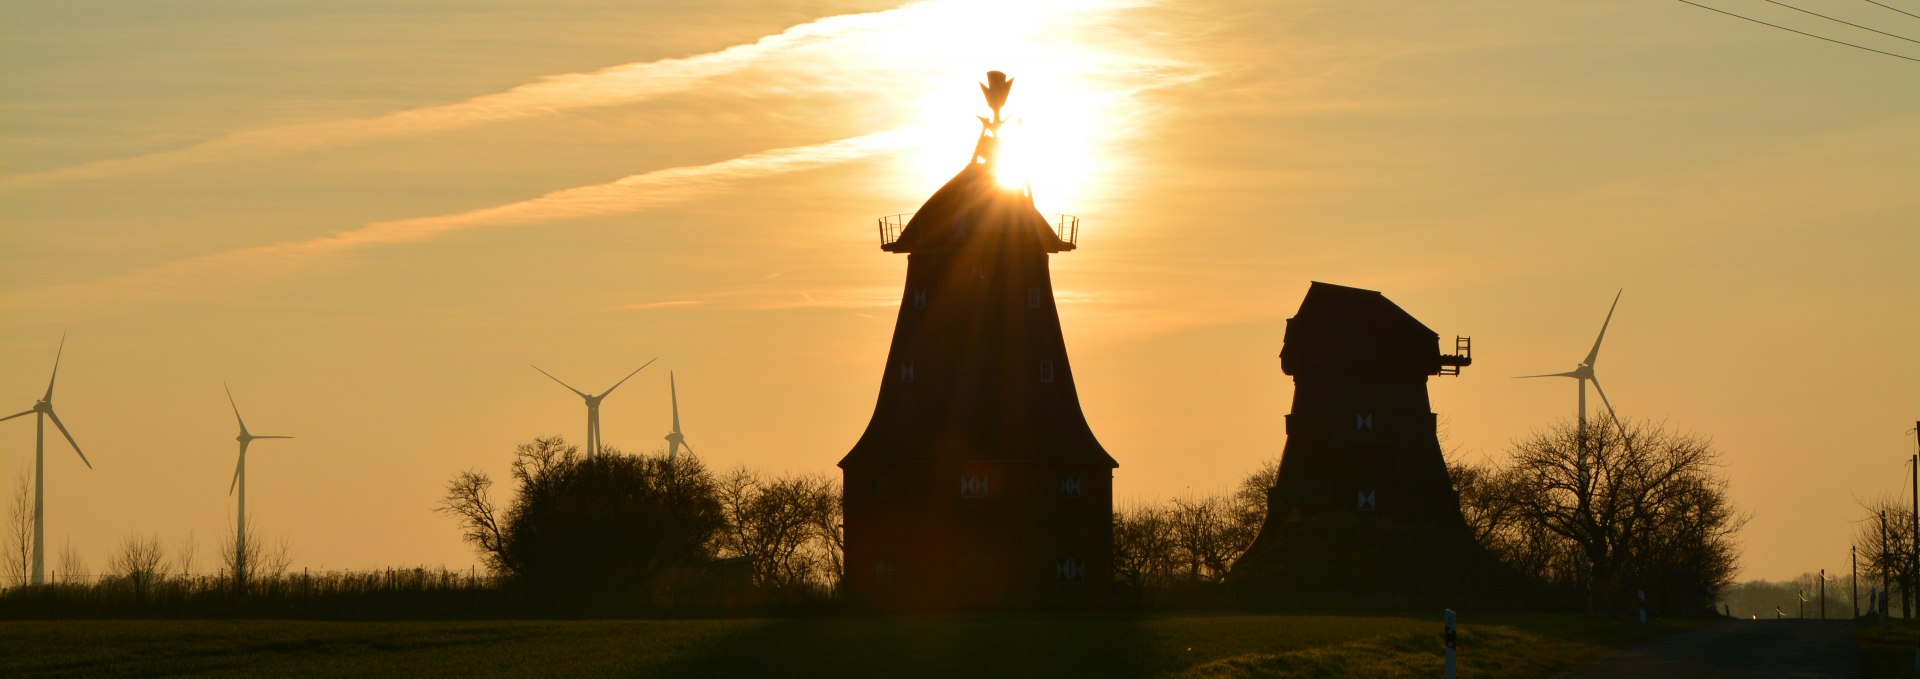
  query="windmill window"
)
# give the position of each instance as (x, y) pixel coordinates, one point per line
(906, 372)
(1070, 486)
(1368, 500)
(1070, 569)
(1363, 422)
(1046, 371)
(973, 485)
(1033, 298)
(919, 298)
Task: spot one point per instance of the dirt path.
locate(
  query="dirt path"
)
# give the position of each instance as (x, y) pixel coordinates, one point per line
(1767, 648)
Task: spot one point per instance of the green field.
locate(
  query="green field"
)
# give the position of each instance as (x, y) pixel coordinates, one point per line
(989, 646)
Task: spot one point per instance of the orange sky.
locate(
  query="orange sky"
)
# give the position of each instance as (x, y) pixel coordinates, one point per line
(369, 217)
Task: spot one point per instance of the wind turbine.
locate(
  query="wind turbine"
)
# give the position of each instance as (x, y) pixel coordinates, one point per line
(674, 439)
(240, 482)
(1583, 373)
(593, 405)
(42, 410)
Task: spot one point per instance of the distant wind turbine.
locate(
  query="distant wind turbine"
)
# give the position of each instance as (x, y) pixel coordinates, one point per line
(240, 482)
(593, 405)
(1583, 373)
(43, 411)
(674, 439)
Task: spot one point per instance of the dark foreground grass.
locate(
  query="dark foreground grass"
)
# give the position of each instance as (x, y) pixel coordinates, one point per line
(1069, 645)
(1890, 652)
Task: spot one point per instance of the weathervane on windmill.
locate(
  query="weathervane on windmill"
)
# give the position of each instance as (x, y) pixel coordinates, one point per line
(996, 89)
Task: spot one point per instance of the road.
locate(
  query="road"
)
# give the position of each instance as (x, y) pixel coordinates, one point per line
(1783, 649)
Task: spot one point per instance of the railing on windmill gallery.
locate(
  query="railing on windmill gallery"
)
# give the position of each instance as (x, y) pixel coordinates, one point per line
(1065, 226)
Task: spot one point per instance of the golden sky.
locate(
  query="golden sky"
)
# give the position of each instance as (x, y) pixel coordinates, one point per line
(370, 217)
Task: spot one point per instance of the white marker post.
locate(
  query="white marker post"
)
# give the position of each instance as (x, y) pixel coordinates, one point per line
(1642, 594)
(1452, 637)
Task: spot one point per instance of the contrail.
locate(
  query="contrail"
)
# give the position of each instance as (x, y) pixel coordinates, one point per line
(611, 86)
(551, 95)
(196, 277)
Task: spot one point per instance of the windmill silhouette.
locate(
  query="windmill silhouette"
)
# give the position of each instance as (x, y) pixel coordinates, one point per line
(42, 411)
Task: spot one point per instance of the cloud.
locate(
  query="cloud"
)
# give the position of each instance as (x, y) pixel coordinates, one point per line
(196, 278)
(551, 95)
(642, 306)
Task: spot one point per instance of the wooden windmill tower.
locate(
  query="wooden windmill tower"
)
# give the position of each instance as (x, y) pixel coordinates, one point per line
(978, 481)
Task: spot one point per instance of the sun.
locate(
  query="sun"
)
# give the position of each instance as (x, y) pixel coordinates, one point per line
(1058, 115)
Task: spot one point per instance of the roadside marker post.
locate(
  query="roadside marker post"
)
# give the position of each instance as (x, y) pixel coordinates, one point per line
(1451, 636)
(1642, 595)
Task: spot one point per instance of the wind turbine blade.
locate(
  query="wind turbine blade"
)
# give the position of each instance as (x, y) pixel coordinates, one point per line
(56, 366)
(1595, 354)
(272, 437)
(689, 446)
(1566, 374)
(1610, 413)
(28, 411)
(629, 376)
(236, 408)
(63, 432)
(674, 391)
(556, 379)
(236, 469)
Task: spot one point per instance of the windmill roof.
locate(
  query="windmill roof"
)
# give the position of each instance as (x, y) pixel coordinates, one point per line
(973, 210)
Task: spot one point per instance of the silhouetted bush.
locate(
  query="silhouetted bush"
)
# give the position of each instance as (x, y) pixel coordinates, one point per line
(616, 525)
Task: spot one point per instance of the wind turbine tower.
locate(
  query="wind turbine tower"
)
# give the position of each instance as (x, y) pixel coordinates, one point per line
(593, 405)
(42, 411)
(674, 439)
(240, 482)
(1583, 374)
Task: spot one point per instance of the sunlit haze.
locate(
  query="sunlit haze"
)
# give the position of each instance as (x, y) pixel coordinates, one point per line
(370, 218)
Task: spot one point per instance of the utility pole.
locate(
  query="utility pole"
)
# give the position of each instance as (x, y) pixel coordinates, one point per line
(1853, 581)
(1883, 553)
(1823, 594)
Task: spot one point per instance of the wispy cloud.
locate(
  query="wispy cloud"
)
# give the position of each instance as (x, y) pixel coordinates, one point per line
(643, 306)
(203, 276)
(552, 95)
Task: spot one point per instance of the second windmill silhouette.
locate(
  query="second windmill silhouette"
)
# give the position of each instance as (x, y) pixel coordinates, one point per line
(593, 405)
(245, 438)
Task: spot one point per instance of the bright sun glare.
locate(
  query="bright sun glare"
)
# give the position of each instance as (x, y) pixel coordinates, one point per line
(1056, 117)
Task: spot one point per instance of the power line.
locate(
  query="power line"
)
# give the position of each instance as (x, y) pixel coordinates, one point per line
(1844, 21)
(1810, 35)
(1896, 9)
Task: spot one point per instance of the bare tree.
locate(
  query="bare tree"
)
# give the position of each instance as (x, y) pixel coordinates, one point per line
(779, 523)
(1208, 535)
(267, 559)
(1886, 548)
(1144, 552)
(73, 567)
(184, 556)
(1645, 509)
(141, 562)
(17, 559)
(469, 500)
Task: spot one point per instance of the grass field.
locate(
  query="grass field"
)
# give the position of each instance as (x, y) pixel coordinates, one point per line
(981, 646)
